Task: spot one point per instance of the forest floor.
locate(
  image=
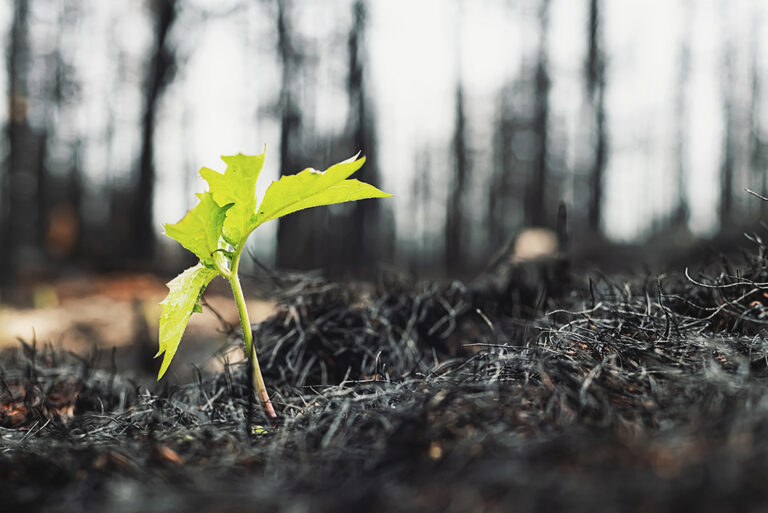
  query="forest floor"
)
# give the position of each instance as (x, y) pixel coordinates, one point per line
(594, 393)
(120, 311)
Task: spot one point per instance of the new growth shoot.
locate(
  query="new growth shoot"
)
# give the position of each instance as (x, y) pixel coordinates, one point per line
(217, 228)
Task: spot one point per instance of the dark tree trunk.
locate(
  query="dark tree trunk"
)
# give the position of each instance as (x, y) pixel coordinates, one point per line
(355, 238)
(495, 190)
(43, 201)
(757, 157)
(17, 221)
(681, 213)
(505, 196)
(595, 78)
(536, 208)
(727, 164)
(422, 252)
(76, 197)
(296, 240)
(363, 248)
(161, 70)
(455, 236)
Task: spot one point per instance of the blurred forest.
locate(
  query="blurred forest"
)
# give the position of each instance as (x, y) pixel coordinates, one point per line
(482, 117)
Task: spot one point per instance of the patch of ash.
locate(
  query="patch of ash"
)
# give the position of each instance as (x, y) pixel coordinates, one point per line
(643, 396)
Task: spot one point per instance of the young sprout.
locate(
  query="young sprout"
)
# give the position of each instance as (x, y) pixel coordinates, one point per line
(217, 228)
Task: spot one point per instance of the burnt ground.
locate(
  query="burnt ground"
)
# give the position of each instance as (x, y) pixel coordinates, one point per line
(590, 393)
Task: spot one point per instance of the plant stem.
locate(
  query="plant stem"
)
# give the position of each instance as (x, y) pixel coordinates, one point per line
(250, 349)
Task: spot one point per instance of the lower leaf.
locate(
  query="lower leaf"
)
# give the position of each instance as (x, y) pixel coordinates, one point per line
(182, 300)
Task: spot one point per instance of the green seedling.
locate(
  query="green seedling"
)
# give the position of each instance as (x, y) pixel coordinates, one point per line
(217, 228)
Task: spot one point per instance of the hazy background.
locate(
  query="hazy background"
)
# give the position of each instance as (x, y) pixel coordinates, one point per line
(642, 116)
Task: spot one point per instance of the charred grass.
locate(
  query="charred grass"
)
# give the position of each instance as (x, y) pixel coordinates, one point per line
(600, 394)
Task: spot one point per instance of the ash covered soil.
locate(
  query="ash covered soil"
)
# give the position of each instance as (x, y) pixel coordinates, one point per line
(598, 394)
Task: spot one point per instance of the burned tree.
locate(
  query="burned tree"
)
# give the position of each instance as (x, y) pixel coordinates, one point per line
(162, 64)
(536, 211)
(727, 163)
(61, 215)
(18, 223)
(357, 241)
(595, 86)
(364, 231)
(681, 212)
(757, 144)
(422, 253)
(505, 190)
(454, 218)
(294, 233)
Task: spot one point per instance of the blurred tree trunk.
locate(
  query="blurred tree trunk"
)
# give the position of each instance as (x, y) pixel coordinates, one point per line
(76, 197)
(681, 213)
(595, 85)
(363, 244)
(496, 190)
(455, 236)
(505, 196)
(727, 163)
(41, 196)
(536, 211)
(161, 70)
(421, 253)
(63, 207)
(757, 146)
(17, 221)
(296, 243)
(356, 239)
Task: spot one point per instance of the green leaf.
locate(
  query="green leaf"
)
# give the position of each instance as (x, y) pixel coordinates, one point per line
(311, 188)
(198, 308)
(199, 231)
(182, 300)
(237, 186)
